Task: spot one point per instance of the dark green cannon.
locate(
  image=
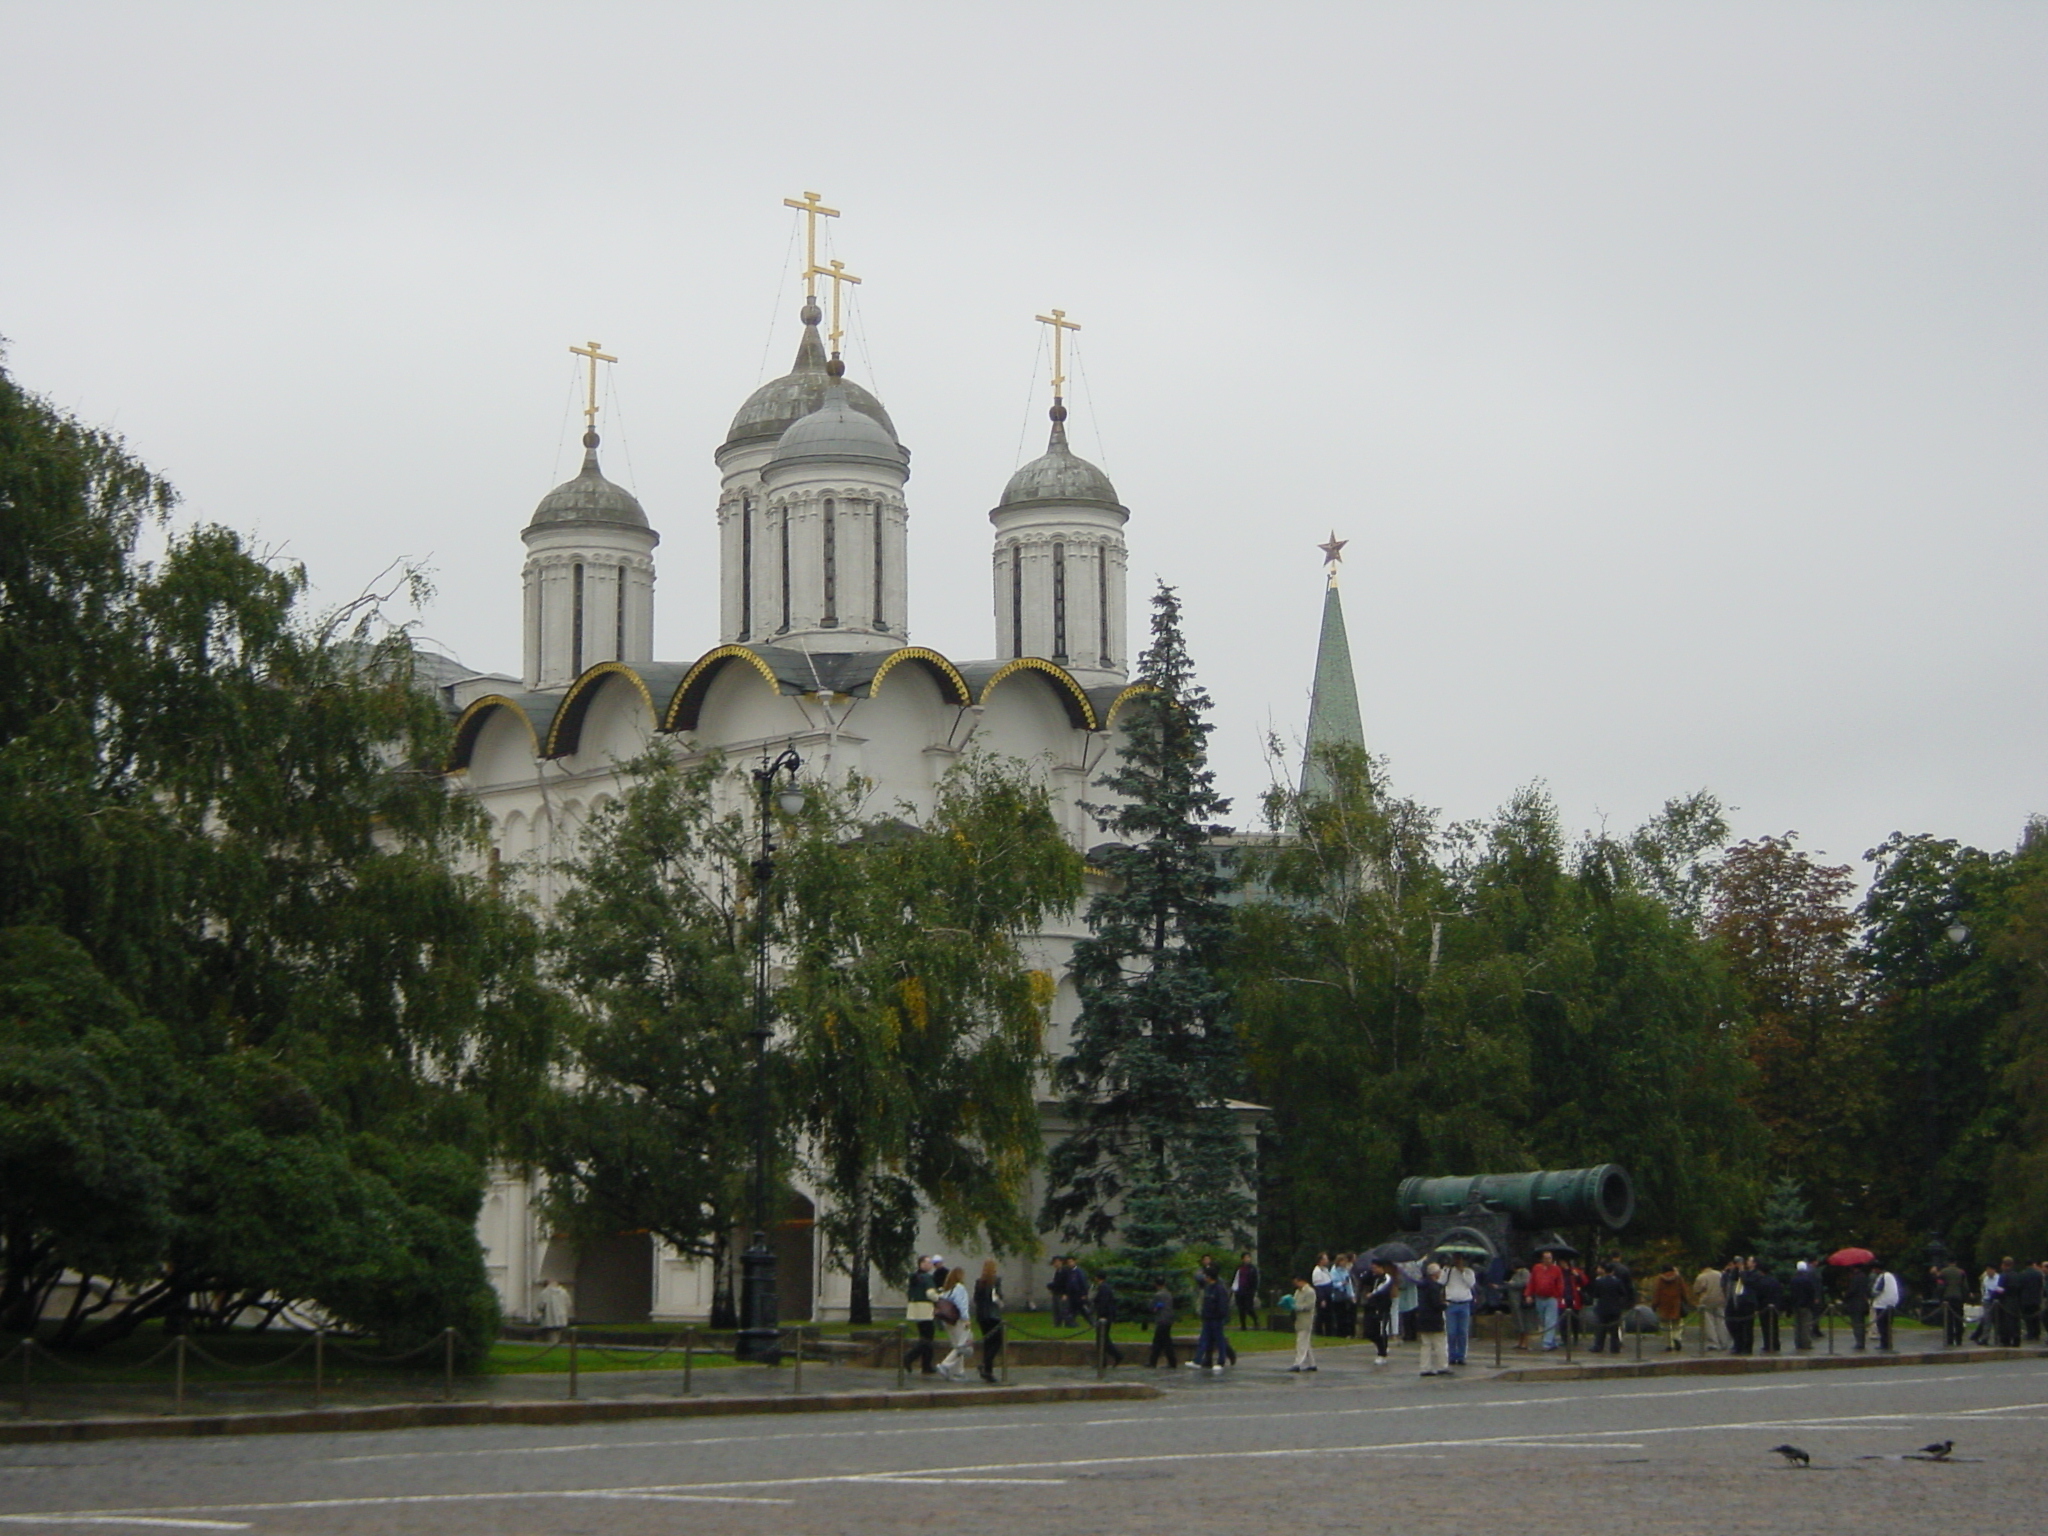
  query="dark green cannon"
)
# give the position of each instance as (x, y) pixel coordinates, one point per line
(1552, 1198)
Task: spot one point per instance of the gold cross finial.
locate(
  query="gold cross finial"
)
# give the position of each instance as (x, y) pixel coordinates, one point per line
(592, 351)
(837, 272)
(812, 210)
(1059, 322)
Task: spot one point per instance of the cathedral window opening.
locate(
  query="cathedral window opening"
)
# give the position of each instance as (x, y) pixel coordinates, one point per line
(746, 567)
(785, 571)
(619, 616)
(881, 620)
(1059, 603)
(1016, 600)
(576, 620)
(1102, 602)
(831, 617)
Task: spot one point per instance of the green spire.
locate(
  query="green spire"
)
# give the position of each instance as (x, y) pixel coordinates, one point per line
(1333, 716)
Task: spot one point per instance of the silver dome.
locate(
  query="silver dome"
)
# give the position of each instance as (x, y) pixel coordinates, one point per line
(779, 404)
(838, 433)
(589, 498)
(1059, 476)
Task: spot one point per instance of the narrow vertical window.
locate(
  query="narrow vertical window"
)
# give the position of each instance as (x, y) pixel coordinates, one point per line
(1102, 601)
(1059, 603)
(785, 569)
(746, 567)
(881, 617)
(619, 618)
(1016, 599)
(831, 617)
(576, 620)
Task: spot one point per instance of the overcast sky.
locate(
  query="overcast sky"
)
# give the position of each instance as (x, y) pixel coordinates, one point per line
(1676, 372)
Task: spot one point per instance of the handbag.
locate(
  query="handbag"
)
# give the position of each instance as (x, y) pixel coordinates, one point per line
(946, 1310)
(918, 1312)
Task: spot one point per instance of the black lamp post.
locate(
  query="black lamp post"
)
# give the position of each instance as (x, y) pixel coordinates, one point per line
(760, 1336)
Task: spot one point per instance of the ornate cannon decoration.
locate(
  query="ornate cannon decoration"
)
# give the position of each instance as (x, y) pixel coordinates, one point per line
(1513, 1214)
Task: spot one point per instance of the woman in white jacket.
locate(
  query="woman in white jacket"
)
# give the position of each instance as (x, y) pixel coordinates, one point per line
(959, 1327)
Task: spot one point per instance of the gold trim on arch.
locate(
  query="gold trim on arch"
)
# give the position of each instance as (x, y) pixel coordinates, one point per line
(1079, 710)
(1116, 704)
(470, 724)
(690, 691)
(949, 675)
(575, 704)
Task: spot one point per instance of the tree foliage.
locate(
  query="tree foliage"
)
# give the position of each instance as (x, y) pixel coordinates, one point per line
(1155, 1152)
(243, 943)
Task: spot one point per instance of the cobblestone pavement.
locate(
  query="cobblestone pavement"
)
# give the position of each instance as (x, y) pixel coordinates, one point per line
(1257, 1447)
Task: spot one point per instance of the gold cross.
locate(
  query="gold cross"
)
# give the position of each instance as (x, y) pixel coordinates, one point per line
(590, 350)
(838, 274)
(1059, 322)
(812, 210)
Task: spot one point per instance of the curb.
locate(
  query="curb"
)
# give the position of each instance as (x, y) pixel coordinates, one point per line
(603, 1411)
(1756, 1365)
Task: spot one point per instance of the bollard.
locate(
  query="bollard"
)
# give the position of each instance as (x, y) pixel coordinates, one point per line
(1498, 1320)
(28, 1348)
(178, 1391)
(572, 1364)
(447, 1365)
(319, 1363)
(1003, 1338)
(1101, 1350)
(1828, 1317)
(797, 1384)
(1639, 1337)
(689, 1353)
(902, 1345)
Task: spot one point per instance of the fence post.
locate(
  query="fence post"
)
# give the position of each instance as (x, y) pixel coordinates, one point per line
(28, 1348)
(1827, 1316)
(447, 1365)
(319, 1362)
(1498, 1320)
(797, 1383)
(902, 1348)
(1003, 1345)
(1639, 1335)
(689, 1356)
(179, 1390)
(572, 1364)
(1101, 1349)
(1564, 1326)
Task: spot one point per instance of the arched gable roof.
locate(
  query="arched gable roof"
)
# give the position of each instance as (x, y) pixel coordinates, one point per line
(687, 702)
(1117, 704)
(1072, 696)
(532, 711)
(952, 686)
(565, 731)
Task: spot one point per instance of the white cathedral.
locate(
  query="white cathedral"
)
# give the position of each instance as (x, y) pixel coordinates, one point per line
(813, 653)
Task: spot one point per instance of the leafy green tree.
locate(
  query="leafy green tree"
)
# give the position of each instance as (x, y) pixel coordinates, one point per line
(1155, 1153)
(230, 809)
(2016, 1199)
(649, 1129)
(915, 1017)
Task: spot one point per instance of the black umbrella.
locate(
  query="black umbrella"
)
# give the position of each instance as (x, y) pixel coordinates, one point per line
(1394, 1253)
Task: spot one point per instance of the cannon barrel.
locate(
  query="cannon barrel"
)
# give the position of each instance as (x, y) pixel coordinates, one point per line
(1554, 1197)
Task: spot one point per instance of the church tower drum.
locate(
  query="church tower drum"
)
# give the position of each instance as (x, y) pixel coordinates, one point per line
(589, 578)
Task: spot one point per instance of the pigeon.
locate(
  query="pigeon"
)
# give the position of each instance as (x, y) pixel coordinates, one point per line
(1794, 1457)
(1939, 1450)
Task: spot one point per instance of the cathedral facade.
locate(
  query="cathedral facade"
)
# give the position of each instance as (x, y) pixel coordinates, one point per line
(814, 652)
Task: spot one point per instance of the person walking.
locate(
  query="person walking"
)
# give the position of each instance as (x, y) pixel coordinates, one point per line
(1304, 1328)
(1951, 1285)
(1163, 1310)
(1057, 1288)
(1078, 1290)
(1885, 1297)
(1739, 1306)
(988, 1317)
(2004, 1308)
(1856, 1304)
(1429, 1321)
(1668, 1298)
(1545, 1291)
(1213, 1349)
(919, 1312)
(1610, 1297)
(1105, 1320)
(2032, 1290)
(1770, 1302)
(1461, 1289)
(1377, 1307)
(1244, 1290)
(1712, 1302)
(1319, 1277)
(952, 1307)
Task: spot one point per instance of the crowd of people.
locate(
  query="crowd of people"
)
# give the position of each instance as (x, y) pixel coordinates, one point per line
(1740, 1307)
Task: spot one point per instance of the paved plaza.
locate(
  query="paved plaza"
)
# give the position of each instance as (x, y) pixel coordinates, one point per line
(1257, 1448)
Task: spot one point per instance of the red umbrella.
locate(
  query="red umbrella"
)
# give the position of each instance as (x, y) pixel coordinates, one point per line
(1847, 1257)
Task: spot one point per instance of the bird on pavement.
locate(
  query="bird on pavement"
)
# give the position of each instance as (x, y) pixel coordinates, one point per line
(1794, 1457)
(1939, 1450)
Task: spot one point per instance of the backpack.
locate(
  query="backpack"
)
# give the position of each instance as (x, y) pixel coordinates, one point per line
(946, 1309)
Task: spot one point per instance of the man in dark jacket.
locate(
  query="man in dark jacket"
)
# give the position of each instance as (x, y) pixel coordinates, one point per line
(2028, 1286)
(1741, 1303)
(1803, 1294)
(1770, 1302)
(1610, 1295)
(1212, 1349)
(1077, 1291)
(1856, 1303)
(1105, 1319)
(1162, 1327)
(1951, 1287)
(1244, 1290)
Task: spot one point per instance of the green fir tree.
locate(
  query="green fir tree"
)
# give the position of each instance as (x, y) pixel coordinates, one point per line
(1784, 1233)
(1155, 1155)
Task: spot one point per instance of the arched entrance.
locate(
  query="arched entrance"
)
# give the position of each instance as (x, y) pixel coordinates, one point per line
(615, 1279)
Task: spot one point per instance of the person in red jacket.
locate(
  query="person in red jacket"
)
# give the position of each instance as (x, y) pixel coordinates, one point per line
(1545, 1291)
